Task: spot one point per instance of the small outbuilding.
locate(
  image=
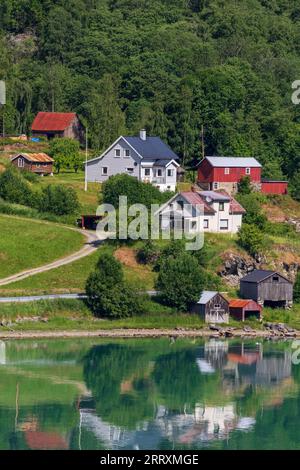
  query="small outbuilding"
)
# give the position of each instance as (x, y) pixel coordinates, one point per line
(243, 309)
(39, 163)
(213, 307)
(267, 288)
(51, 125)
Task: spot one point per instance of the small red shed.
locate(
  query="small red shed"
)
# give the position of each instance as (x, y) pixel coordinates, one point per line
(274, 187)
(243, 309)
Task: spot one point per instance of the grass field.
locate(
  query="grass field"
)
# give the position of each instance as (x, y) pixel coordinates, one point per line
(29, 243)
(88, 199)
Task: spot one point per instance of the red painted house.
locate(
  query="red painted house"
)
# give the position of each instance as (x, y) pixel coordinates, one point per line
(226, 172)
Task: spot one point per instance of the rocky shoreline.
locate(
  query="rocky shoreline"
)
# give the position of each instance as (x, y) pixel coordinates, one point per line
(271, 331)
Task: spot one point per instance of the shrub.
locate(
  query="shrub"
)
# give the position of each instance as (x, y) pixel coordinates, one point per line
(244, 186)
(66, 153)
(181, 281)
(297, 288)
(107, 293)
(251, 239)
(136, 191)
(254, 214)
(174, 249)
(14, 188)
(58, 200)
(148, 254)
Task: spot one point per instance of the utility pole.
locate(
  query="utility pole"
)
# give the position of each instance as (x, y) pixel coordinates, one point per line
(202, 140)
(2, 103)
(86, 159)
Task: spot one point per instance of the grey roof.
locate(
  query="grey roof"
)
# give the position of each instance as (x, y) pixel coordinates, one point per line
(206, 296)
(227, 162)
(153, 148)
(215, 196)
(259, 275)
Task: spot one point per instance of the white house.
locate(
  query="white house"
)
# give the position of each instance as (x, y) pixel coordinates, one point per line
(147, 158)
(207, 211)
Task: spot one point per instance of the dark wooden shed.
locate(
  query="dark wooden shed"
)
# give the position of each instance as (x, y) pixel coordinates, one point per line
(243, 309)
(212, 307)
(267, 288)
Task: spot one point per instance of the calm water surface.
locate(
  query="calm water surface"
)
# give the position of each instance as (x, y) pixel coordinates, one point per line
(148, 394)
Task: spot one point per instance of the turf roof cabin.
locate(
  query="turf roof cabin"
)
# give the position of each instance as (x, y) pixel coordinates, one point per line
(39, 163)
(212, 307)
(267, 288)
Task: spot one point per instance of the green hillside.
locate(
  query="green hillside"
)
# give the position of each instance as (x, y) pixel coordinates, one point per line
(171, 66)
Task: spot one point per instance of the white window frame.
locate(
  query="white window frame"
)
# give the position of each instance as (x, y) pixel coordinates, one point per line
(227, 224)
(206, 223)
(170, 172)
(125, 153)
(147, 169)
(102, 171)
(159, 172)
(117, 150)
(21, 162)
(216, 185)
(248, 171)
(221, 205)
(227, 171)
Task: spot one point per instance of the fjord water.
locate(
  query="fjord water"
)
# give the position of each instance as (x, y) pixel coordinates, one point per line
(149, 394)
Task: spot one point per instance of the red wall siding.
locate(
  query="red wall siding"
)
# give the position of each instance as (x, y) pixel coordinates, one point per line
(274, 187)
(208, 174)
(205, 172)
(235, 174)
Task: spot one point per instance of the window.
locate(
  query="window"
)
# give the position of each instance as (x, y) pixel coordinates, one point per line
(227, 171)
(193, 225)
(170, 172)
(127, 153)
(104, 170)
(217, 306)
(21, 162)
(275, 279)
(248, 171)
(224, 224)
(129, 170)
(216, 186)
(205, 223)
(147, 171)
(221, 206)
(117, 153)
(159, 172)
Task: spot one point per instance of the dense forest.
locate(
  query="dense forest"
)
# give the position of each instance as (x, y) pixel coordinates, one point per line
(170, 66)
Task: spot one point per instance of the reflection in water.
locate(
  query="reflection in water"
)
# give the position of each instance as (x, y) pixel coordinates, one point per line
(148, 394)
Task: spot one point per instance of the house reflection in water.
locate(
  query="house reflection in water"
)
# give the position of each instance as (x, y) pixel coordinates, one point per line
(232, 368)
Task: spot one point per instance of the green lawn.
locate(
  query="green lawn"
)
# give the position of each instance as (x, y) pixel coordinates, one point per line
(74, 314)
(30, 243)
(88, 199)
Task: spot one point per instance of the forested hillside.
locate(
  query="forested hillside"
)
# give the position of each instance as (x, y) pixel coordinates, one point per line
(168, 65)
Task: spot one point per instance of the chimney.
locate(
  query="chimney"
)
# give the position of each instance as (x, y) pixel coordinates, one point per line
(143, 134)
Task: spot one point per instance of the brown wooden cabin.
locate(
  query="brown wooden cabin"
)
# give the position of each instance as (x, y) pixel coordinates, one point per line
(51, 125)
(243, 309)
(212, 307)
(39, 163)
(267, 288)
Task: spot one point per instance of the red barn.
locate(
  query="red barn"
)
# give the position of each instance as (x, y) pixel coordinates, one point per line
(274, 187)
(226, 172)
(52, 125)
